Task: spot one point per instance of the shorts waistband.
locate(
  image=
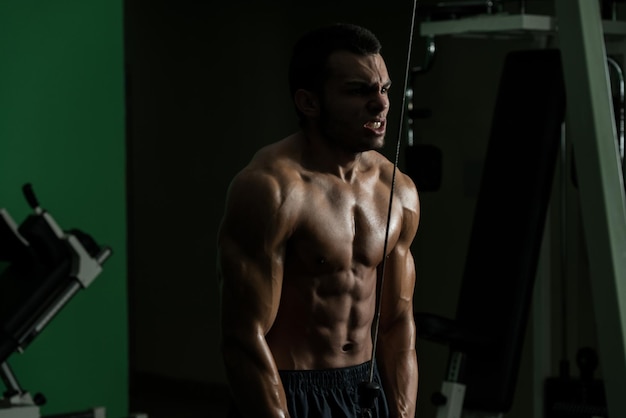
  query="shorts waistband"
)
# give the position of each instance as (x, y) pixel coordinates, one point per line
(327, 378)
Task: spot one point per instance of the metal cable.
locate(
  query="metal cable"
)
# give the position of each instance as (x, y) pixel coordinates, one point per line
(376, 323)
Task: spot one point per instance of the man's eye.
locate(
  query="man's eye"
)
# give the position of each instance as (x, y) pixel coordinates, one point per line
(367, 90)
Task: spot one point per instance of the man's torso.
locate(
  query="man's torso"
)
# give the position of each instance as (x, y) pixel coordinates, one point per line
(330, 265)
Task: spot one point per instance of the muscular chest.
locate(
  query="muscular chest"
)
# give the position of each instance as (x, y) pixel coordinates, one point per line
(342, 227)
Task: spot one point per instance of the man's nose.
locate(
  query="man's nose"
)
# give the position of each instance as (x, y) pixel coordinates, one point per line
(378, 102)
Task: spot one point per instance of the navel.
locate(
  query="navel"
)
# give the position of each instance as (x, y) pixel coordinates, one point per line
(347, 347)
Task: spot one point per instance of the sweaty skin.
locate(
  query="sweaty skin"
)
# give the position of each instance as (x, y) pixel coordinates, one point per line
(301, 244)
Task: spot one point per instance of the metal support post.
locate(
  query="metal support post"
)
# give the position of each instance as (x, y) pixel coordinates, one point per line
(592, 131)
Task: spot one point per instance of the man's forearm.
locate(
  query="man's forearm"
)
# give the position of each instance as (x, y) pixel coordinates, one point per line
(399, 370)
(254, 382)
(400, 380)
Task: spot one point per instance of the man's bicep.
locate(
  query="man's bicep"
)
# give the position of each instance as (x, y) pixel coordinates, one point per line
(250, 262)
(250, 289)
(399, 284)
(402, 261)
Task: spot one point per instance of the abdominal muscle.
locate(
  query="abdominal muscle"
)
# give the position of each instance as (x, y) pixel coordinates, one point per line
(324, 321)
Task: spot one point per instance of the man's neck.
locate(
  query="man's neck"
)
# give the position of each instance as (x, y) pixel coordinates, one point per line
(323, 156)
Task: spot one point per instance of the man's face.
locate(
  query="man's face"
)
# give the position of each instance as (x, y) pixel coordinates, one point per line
(355, 102)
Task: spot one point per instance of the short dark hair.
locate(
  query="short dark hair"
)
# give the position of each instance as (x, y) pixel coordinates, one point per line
(307, 69)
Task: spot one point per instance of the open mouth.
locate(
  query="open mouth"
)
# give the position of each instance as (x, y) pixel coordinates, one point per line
(375, 125)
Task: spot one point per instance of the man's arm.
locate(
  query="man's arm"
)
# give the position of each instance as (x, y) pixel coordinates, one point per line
(250, 267)
(396, 349)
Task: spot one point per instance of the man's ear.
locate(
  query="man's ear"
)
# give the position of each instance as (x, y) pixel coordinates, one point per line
(307, 102)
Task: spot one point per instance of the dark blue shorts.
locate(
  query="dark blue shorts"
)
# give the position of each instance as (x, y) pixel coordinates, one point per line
(329, 393)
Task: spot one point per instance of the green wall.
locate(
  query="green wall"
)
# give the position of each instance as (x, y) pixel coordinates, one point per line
(62, 128)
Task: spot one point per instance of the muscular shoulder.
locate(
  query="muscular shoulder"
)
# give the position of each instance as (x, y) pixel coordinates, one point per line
(407, 191)
(404, 188)
(263, 195)
(405, 194)
(274, 169)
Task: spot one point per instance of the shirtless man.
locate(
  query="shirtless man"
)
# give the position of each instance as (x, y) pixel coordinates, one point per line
(301, 246)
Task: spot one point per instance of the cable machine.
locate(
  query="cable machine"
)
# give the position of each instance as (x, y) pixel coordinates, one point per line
(586, 36)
